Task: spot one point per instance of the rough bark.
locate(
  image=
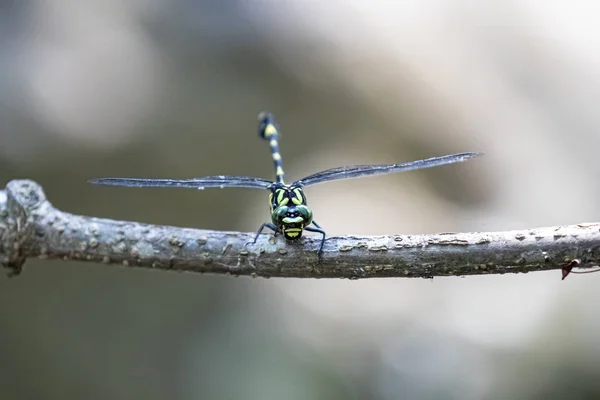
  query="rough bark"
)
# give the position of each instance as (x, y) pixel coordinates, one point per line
(31, 227)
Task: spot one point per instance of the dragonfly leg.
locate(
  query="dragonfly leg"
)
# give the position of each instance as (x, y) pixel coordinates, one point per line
(317, 225)
(320, 230)
(262, 228)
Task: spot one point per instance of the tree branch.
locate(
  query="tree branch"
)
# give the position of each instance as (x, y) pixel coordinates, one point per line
(31, 227)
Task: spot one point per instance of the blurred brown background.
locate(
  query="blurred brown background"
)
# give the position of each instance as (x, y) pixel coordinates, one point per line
(92, 88)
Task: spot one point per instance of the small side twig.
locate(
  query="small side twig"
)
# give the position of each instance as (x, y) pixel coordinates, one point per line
(31, 227)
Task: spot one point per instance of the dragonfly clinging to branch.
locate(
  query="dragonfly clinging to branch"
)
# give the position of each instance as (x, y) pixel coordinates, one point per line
(290, 214)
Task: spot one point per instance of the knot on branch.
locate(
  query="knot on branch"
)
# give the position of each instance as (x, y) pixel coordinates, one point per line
(18, 203)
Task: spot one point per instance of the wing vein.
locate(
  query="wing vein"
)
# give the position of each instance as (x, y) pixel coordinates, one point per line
(356, 171)
(197, 183)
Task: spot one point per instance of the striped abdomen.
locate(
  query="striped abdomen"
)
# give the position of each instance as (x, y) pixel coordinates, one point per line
(267, 129)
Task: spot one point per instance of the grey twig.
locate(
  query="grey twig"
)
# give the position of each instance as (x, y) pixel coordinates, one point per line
(31, 227)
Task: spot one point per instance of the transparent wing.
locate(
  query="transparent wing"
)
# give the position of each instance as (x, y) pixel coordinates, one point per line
(356, 171)
(198, 183)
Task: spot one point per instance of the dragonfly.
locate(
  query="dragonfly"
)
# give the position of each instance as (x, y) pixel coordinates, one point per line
(290, 214)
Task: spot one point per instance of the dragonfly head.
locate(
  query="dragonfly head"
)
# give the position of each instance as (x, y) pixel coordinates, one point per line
(292, 220)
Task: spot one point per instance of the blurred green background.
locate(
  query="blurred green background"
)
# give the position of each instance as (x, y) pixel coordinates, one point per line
(92, 88)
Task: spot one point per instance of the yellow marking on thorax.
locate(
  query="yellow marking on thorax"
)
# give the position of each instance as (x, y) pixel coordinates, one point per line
(298, 196)
(270, 130)
(280, 194)
(281, 200)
